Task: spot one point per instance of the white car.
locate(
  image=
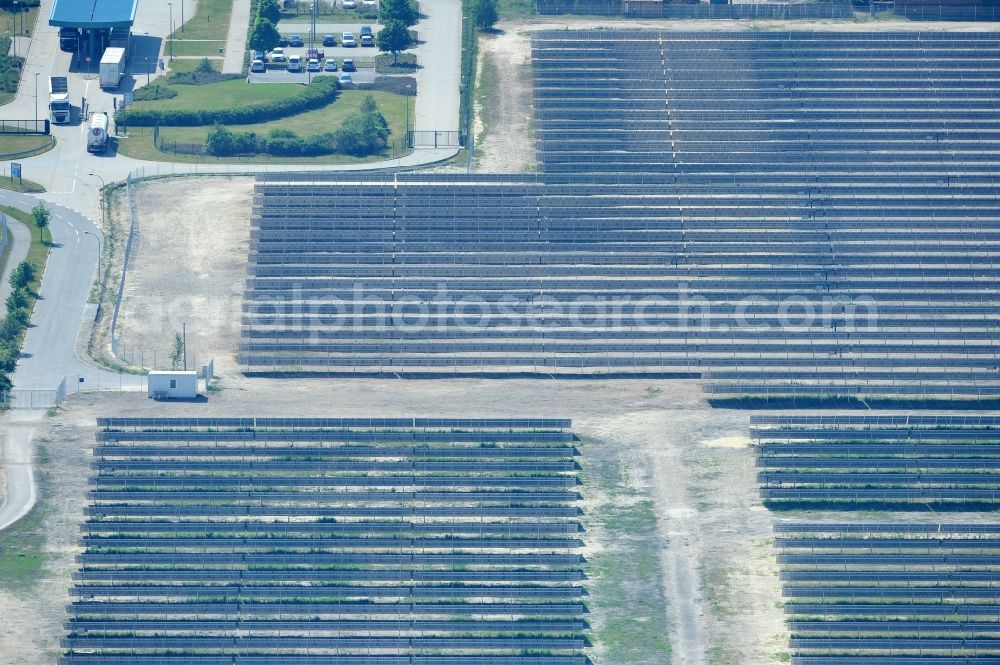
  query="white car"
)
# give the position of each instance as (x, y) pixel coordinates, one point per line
(345, 78)
(369, 4)
(257, 66)
(313, 65)
(350, 4)
(278, 55)
(348, 40)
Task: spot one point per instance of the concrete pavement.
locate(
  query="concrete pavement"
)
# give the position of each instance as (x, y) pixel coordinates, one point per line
(19, 476)
(236, 42)
(20, 241)
(440, 73)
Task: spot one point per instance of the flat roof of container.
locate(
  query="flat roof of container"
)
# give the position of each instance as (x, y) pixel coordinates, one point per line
(93, 14)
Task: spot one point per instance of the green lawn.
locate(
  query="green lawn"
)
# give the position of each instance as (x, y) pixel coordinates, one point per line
(626, 574)
(508, 9)
(188, 47)
(25, 21)
(210, 21)
(21, 185)
(24, 145)
(190, 66)
(139, 143)
(225, 94)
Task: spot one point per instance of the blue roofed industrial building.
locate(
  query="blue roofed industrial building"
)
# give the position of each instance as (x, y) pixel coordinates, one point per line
(93, 20)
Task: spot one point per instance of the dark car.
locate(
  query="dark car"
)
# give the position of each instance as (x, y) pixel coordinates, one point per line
(348, 65)
(329, 40)
(366, 30)
(282, 41)
(296, 41)
(259, 55)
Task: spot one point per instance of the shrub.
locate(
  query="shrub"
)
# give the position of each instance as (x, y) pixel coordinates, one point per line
(361, 135)
(153, 92)
(221, 142)
(324, 89)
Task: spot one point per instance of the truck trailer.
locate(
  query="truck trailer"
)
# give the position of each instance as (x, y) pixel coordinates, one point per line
(59, 107)
(97, 135)
(112, 67)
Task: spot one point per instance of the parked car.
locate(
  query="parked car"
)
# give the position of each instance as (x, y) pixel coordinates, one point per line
(348, 40)
(294, 64)
(368, 4)
(367, 30)
(316, 53)
(278, 55)
(296, 41)
(329, 40)
(330, 65)
(313, 65)
(349, 65)
(367, 40)
(259, 55)
(350, 4)
(282, 41)
(257, 67)
(345, 79)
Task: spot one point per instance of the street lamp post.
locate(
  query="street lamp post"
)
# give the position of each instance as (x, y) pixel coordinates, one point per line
(147, 70)
(170, 6)
(36, 98)
(100, 250)
(182, 15)
(102, 196)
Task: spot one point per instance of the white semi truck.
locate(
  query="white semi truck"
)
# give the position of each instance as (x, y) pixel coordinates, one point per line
(97, 135)
(59, 107)
(112, 67)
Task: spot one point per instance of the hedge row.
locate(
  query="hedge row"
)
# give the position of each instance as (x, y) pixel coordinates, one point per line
(324, 90)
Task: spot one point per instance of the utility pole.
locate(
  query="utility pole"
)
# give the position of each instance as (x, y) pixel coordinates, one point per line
(182, 15)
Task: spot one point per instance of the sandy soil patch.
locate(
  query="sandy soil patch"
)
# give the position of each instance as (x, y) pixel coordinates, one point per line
(504, 108)
(188, 266)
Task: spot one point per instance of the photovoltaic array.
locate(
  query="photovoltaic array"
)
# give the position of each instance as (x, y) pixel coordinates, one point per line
(886, 592)
(308, 541)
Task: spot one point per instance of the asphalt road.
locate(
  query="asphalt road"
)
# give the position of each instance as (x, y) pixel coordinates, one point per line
(49, 351)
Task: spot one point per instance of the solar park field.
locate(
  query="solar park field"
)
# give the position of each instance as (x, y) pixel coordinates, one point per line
(330, 541)
(776, 213)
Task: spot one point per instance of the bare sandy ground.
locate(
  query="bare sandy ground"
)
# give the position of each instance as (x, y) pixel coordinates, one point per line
(504, 108)
(188, 266)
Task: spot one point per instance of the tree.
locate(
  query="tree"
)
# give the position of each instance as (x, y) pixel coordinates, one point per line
(264, 36)
(17, 299)
(269, 9)
(177, 353)
(485, 13)
(393, 38)
(22, 275)
(403, 11)
(362, 134)
(41, 216)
